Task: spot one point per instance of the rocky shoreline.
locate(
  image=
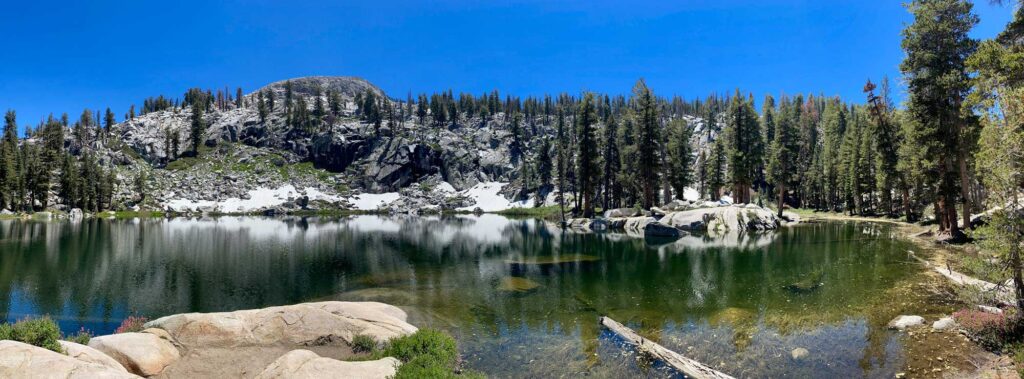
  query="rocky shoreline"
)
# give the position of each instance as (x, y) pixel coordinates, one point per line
(307, 340)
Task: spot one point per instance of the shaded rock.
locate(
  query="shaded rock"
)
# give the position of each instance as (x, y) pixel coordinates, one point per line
(588, 224)
(799, 354)
(303, 364)
(323, 323)
(21, 360)
(657, 229)
(944, 323)
(989, 309)
(88, 354)
(902, 322)
(649, 227)
(141, 353)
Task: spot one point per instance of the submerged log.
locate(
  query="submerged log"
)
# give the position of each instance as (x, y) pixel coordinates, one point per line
(688, 367)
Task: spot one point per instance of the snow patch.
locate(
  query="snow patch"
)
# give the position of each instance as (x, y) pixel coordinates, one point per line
(486, 196)
(260, 198)
(373, 201)
(689, 193)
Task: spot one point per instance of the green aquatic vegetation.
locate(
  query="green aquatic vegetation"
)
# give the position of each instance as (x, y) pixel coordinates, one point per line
(517, 284)
(41, 332)
(554, 259)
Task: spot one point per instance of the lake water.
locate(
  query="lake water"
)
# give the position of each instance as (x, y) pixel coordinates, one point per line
(521, 297)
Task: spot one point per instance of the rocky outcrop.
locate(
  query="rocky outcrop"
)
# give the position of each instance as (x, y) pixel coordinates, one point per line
(325, 323)
(587, 224)
(621, 212)
(88, 354)
(649, 227)
(305, 364)
(20, 360)
(902, 322)
(724, 219)
(144, 354)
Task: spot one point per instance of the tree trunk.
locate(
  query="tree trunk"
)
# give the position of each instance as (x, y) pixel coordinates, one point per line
(965, 190)
(906, 203)
(782, 197)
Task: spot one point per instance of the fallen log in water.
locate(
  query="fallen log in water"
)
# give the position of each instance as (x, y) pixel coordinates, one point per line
(1003, 293)
(686, 366)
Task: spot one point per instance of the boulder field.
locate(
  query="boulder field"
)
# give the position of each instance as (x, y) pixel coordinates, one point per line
(293, 341)
(674, 220)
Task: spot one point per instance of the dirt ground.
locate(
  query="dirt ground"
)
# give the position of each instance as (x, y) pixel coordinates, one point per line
(239, 362)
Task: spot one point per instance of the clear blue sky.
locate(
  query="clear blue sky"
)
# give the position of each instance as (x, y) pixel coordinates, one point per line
(65, 56)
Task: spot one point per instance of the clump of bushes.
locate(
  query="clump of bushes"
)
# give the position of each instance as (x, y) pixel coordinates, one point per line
(82, 337)
(132, 324)
(428, 353)
(41, 332)
(991, 330)
(363, 344)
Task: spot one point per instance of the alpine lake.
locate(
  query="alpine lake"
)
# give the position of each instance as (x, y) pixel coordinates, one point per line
(521, 296)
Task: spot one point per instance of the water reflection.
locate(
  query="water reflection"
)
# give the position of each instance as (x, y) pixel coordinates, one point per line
(521, 296)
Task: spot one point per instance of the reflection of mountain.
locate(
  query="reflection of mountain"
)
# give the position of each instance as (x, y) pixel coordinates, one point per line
(453, 272)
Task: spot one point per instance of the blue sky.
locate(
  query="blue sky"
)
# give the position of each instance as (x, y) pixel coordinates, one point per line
(63, 57)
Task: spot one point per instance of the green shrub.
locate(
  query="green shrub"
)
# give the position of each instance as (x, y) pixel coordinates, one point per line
(82, 337)
(363, 344)
(41, 332)
(428, 353)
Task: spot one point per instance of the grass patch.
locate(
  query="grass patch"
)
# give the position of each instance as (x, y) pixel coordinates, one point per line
(539, 212)
(41, 332)
(138, 214)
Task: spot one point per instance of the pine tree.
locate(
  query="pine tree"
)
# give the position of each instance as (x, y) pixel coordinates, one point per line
(783, 151)
(261, 107)
(563, 158)
(937, 44)
(70, 182)
(833, 121)
(544, 163)
(999, 98)
(9, 175)
(198, 128)
(715, 168)
(612, 164)
(648, 140)
(680, 155)
(108, 122)
(743, 146)
(588, 165)
(239, 99)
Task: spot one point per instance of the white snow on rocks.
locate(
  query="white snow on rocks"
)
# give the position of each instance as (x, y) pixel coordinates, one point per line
(373, 201)
(486, 196)
(690, 193)
(258, 199)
